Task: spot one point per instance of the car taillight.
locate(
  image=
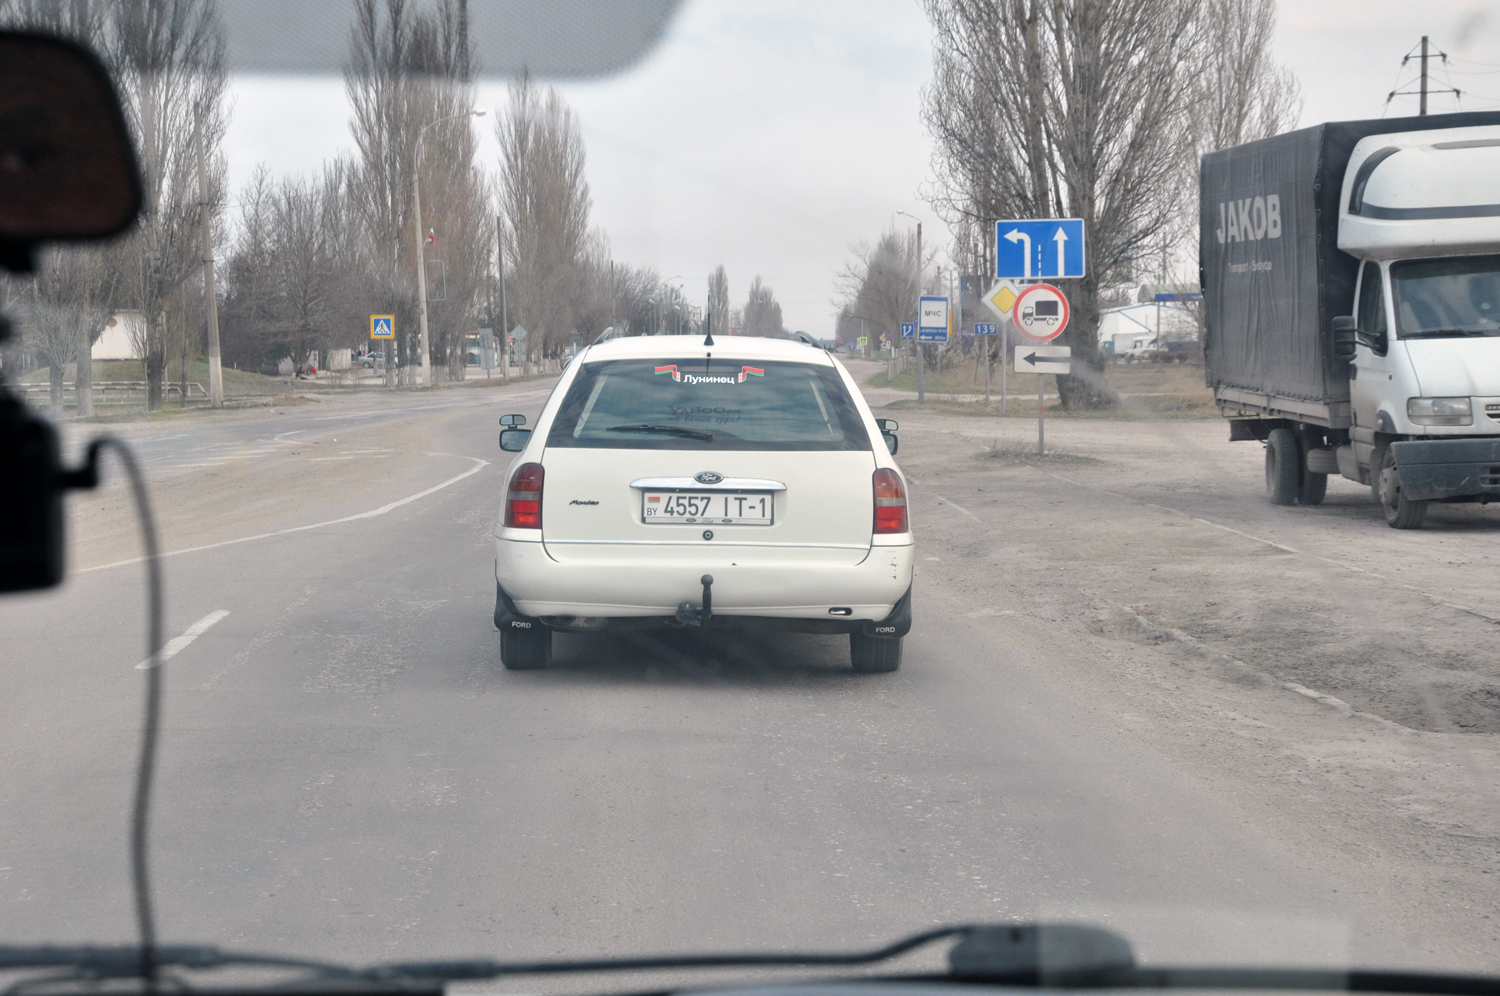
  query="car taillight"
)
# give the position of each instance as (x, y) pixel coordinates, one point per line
(890, 502)
(523, 502)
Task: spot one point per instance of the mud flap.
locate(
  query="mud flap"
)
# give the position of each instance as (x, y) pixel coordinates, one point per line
(507, 616)
(893, 626)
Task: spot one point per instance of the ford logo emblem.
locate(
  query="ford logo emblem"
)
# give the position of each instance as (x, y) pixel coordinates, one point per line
(708, 477)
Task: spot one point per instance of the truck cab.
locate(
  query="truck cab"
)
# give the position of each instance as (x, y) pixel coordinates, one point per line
(1421, 213)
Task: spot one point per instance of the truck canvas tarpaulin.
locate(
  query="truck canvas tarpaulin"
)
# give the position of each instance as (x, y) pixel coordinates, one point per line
(1273, 275)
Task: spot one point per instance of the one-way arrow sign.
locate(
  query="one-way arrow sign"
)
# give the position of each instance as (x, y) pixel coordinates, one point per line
(1043, 359)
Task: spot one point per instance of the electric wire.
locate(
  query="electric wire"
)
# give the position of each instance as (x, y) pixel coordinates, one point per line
(150, 727)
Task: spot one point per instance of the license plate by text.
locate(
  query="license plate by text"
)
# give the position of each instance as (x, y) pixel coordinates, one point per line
(715, 509)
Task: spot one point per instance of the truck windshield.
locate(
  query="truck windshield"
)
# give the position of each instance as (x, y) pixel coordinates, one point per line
(671, 404)
(1452, 296)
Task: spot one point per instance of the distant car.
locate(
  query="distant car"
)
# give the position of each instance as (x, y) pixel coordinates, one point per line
(669, 482)
(371, 361)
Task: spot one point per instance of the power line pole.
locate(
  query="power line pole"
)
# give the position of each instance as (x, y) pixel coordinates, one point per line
(504, 317)
(1423, 105)
(211, 302)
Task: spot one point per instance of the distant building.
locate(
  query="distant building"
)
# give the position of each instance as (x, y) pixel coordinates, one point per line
(121, 333)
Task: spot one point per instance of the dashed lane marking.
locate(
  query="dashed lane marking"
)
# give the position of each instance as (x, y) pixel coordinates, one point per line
(178, 644)
(372, 513)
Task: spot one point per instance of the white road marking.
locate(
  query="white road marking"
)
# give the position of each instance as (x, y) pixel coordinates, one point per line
(945, 501)
(178, 644)
(383, 509)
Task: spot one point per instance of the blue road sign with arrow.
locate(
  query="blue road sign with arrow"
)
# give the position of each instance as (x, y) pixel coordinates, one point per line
(1033, 250)
(908, 329)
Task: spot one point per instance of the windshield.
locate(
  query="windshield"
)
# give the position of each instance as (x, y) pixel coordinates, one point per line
(484, 639)
(1453, 296)
(708, 404)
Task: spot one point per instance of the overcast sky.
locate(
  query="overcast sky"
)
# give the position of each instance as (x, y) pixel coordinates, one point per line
(769, 136)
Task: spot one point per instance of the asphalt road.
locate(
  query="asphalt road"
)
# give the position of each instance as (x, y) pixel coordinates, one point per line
(348, 773)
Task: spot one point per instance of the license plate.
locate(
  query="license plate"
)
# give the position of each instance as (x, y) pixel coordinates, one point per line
(719, 508)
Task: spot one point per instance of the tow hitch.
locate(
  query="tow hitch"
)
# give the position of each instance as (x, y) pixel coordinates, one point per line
(689, 616)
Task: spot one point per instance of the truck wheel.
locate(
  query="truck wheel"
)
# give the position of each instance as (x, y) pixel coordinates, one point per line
(1313, 488)
(873, 655)
(1400, 512)
(526, 649)
(1283, 466)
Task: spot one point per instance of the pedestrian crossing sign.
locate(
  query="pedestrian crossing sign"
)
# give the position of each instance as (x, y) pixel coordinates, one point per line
(382, 326)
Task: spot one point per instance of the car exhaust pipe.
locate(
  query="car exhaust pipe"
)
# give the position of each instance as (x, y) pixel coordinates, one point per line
(689, 616)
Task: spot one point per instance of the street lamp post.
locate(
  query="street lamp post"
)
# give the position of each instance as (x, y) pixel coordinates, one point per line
(416, 186)
(917, 332)
(676, 301)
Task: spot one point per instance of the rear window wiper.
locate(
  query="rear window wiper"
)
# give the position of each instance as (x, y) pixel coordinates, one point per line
(666, 430)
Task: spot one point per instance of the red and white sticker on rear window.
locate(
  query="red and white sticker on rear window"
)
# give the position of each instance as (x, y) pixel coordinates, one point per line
(677, 375)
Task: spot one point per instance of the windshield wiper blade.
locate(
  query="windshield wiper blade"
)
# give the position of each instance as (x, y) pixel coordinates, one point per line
(666, 430)
(1028, 955)
(1448, 333)
(124, 960)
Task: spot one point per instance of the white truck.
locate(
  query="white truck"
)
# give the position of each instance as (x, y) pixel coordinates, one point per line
(1351, 281)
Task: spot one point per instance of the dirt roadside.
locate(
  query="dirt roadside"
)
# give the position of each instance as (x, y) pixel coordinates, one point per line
(1332, 679)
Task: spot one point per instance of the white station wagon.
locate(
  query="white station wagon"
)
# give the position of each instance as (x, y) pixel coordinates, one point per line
(673, 481)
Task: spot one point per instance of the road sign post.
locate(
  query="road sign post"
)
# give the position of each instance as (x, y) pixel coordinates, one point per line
(932, 326)
(1043, 360)
(986, 329)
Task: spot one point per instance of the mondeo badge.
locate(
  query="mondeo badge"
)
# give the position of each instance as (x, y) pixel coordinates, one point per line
(708, 477)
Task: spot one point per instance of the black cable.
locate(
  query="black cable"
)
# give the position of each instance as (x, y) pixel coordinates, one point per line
(146, 766)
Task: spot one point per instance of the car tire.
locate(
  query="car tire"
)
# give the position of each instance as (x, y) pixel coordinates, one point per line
(874, 655)
(526, 649)
(1283, 473)
(1400, 512)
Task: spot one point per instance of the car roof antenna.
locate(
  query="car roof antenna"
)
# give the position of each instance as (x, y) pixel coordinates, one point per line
(708, 329)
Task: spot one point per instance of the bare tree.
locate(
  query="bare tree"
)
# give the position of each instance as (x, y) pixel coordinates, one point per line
(1241, 94)
(546, 202)
(717, 306)
(880, 283)
(168, 59)
(762, 312)
(1074, 108)
(60, 311)
(635, 289)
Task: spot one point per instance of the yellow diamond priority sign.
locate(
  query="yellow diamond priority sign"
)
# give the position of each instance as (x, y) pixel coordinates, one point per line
(1001, 298)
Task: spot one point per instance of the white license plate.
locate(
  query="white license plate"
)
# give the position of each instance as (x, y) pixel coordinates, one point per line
(719, 508)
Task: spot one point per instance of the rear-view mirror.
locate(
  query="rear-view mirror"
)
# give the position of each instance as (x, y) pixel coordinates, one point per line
(1345, 336)
(67, 169)
(513, 420)
(891, 442)
(887, 424)
(514, 440)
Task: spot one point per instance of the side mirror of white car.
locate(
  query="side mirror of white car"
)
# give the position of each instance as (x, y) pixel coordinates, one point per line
(514, 440)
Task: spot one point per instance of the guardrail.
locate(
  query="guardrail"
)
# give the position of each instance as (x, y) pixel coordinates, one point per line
(114, 392)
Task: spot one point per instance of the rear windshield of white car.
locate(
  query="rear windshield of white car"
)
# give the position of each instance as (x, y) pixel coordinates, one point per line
(708, 404)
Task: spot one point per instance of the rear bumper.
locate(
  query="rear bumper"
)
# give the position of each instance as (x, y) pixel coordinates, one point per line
(540, 586)
(1433, 469)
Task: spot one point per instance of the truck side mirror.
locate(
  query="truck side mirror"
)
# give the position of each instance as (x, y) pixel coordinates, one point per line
(1345, 336)
(513, 420)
